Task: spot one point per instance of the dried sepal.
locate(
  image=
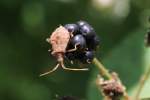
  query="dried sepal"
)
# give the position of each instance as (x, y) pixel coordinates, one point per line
(111, 89)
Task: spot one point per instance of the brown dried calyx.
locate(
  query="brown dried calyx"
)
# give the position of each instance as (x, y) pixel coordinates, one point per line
(112, 89)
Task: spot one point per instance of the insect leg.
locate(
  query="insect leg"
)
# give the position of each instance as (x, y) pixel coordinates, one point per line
(74, 49)
(88, 61)
(74, 69)
(50, 70)
(49, 50)
(71, 62)
(71, 34)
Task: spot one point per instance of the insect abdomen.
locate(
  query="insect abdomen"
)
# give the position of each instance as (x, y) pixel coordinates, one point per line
(59, 40)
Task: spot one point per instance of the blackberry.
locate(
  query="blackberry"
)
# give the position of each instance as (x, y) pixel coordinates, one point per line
(84, 40)
(78, 41)
(72, 28)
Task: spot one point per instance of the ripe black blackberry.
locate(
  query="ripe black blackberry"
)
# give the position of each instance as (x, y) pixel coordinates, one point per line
(83, 43)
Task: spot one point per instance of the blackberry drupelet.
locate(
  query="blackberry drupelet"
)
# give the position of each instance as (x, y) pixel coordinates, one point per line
(78, 41)
(87, 31)
(93, 43)
(87, 57)
(81, 23)
(73, 28)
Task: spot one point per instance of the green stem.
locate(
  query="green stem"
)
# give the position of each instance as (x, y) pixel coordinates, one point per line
(103, 70)
(142, 82)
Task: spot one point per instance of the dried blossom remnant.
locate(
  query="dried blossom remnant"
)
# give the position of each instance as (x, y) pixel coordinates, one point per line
(112, 89)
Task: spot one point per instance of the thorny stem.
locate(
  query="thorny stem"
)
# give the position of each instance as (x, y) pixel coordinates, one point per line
(105, 72)
(142, 82)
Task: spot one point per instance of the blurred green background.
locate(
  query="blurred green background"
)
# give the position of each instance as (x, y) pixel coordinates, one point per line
(25, 24)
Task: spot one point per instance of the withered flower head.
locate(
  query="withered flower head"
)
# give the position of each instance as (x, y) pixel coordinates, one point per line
(112, 89)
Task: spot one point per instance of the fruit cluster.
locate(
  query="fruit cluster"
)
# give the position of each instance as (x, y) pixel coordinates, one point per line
(84, 41)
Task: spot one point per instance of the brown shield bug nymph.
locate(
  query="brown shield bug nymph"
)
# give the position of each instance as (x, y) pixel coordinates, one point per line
(59, 40)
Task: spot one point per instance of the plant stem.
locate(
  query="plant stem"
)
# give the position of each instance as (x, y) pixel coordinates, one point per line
(142, 82)
(103, 70)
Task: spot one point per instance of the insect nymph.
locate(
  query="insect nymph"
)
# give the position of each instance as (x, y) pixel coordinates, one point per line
(59, 40)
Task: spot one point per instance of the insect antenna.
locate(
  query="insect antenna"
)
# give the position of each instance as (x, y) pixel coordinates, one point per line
(73, 69)
(55, 68)
(74, 49)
